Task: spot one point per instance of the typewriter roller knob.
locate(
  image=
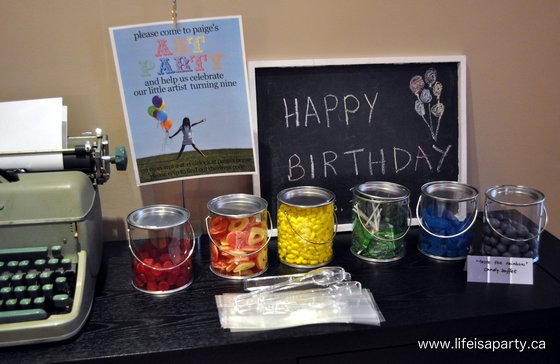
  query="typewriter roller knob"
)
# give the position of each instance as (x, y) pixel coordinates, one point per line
(120, 159)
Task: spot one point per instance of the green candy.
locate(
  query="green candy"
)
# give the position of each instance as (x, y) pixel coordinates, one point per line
(380, 245)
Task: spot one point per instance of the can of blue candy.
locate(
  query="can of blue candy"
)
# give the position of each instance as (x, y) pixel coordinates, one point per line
(381, 218)
(446, 212)
(514, 218)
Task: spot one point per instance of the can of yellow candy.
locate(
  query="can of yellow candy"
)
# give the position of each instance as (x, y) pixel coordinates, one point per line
(306, 226)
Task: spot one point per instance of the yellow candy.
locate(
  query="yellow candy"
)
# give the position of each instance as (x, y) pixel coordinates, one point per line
(305, 234)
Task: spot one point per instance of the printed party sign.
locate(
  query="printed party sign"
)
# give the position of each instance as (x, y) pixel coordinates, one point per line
(185, 98)
(486, 269)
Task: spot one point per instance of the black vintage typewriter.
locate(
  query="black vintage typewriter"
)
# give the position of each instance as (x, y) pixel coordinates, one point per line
(51, 243)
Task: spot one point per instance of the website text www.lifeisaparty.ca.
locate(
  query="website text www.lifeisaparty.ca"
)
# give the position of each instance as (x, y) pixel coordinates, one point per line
(480, 344)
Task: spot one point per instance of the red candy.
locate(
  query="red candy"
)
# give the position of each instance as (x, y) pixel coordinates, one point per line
(157, 272)
(238, 247)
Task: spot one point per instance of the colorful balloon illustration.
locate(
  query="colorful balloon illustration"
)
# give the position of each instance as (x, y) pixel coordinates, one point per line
(156, 111)
(430, 76)
(167, 124)
(416, 84)
(437, 110)
(437, 88)
(161, 116)
(157, 101)
(419, 107)
(426, 96)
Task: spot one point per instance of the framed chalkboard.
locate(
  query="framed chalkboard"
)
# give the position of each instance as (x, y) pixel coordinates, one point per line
(337, 123)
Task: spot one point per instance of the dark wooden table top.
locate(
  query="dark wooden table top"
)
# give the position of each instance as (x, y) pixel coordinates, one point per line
(421, 299)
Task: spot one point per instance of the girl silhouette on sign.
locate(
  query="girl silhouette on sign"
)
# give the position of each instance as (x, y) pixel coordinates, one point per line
(187, 136)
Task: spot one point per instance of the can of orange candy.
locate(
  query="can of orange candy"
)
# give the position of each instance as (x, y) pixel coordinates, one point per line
(237, 228)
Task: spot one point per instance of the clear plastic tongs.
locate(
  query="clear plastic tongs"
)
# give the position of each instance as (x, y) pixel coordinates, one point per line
(320, 277)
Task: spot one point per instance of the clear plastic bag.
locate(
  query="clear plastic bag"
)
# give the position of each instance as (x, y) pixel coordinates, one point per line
(284, 303)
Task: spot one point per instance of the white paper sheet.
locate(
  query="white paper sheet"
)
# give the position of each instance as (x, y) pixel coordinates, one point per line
(32, 125)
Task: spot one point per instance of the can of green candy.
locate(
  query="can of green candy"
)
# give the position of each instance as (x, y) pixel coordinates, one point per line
(380, 220)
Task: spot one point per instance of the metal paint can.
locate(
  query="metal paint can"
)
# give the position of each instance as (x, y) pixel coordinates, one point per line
(380, 220)
(514, 218)
(446, 212)
(239, 235)
(161, 240)
(306, 226)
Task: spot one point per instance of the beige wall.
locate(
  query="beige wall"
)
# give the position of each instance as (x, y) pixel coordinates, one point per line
(62, 48)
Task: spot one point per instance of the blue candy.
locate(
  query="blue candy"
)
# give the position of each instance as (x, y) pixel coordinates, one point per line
(444, 223)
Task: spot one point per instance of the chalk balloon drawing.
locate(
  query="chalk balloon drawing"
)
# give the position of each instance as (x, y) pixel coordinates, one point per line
(426, 89)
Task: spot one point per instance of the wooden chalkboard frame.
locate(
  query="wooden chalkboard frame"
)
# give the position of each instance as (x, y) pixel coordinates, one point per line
(459, 60)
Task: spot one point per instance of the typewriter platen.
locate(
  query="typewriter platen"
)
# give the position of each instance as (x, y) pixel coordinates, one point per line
(51, 242)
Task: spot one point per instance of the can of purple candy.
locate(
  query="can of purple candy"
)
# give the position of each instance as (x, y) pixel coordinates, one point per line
(446, 212)
(514, 218)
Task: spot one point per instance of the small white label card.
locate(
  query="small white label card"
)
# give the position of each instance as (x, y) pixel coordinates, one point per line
(488, 269)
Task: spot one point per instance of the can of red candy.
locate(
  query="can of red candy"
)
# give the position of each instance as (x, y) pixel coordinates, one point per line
(237, 227)
(161, 240)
